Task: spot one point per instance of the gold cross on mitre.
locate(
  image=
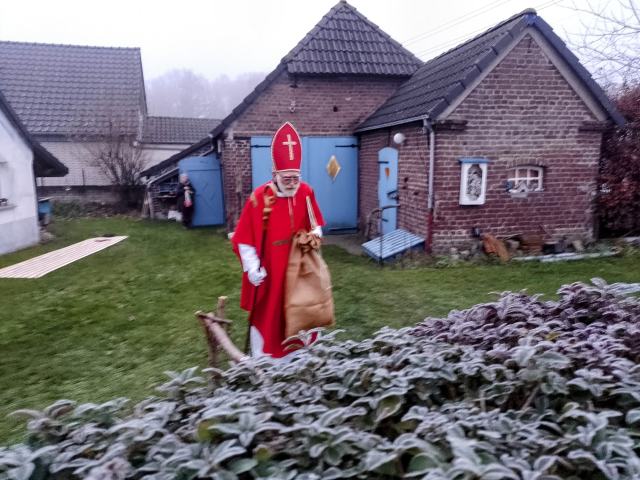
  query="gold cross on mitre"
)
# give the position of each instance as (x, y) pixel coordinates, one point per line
(290, 143)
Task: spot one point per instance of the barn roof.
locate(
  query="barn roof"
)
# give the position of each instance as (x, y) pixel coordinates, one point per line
(70, 89)
(177, 130)
(345, 42)
(444, 79)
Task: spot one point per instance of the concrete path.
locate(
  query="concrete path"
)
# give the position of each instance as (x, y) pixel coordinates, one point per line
(349, 242)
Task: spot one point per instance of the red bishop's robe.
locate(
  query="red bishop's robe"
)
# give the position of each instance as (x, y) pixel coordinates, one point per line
(288, 216)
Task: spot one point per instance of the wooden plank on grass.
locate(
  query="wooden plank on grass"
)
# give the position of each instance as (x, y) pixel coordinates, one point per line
(39, 266)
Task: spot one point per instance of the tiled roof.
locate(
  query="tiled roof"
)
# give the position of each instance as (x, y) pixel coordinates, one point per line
(177, 129)
(442, 80)
(72, 90)
(45, 164)
(345, 42)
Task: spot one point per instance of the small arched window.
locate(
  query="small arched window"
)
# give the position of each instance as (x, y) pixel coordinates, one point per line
(526, 178)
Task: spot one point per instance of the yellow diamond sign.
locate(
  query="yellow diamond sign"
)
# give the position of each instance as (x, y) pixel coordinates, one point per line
(333, 167)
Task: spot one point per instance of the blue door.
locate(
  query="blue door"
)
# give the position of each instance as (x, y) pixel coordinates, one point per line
(261, 160)
(388, 187)
(336, 194)
(206, 177)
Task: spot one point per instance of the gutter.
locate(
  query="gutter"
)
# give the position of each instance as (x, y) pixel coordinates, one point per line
(427, 126)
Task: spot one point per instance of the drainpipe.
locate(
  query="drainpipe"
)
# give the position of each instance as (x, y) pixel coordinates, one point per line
(427, 127)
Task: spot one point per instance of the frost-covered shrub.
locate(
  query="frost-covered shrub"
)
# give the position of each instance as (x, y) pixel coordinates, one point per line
(515, 389)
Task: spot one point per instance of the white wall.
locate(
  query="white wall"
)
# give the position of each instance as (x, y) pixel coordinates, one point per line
(18, 220)
(82, 170)
(78, 159)
(158, 152)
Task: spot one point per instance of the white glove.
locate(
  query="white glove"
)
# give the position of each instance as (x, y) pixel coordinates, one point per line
(256, 277)
(251, 264)
(317, 231)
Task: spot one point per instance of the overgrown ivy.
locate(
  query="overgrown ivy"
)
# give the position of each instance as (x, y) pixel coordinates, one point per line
(519, 388)
(619, 190)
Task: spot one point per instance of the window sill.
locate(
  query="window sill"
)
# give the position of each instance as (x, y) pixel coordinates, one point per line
(8, 206)
(523, 194)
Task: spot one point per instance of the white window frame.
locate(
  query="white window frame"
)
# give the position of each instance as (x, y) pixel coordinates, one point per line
(466, 166)
(516, 177)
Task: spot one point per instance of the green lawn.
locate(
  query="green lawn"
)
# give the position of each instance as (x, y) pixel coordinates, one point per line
(110, 324)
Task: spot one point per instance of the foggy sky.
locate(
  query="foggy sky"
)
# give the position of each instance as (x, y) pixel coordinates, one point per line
(231, 37)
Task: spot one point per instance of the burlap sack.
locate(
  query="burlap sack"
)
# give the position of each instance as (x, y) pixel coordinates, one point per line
(308, 300)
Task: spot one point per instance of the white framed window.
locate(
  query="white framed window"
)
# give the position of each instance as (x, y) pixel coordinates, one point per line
(526, 178)
(473, 181)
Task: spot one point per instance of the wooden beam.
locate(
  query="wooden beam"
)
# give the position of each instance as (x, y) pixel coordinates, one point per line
(215, 327)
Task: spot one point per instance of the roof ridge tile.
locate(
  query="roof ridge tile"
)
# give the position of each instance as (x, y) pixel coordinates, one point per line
(66, 45)
(343, 28)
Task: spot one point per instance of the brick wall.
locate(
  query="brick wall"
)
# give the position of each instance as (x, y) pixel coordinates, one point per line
(98, 194)
(321, 107)
(413, 168)
(236, 176)
(523, 113)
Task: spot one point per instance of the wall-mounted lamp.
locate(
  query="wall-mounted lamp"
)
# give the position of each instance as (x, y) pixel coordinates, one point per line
(399, 138)
(292, 106)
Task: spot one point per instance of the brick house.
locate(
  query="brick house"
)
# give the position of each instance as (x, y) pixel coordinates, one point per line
(68, 95)
(329, 83)
(509, 124)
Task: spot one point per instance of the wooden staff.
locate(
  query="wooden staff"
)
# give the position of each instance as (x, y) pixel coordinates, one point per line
(312, 216)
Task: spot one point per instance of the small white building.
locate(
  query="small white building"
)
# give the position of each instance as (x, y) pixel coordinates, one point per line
(21, 159)
(166, 136)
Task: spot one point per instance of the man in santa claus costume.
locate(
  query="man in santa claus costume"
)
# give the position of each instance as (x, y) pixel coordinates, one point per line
(272, 215)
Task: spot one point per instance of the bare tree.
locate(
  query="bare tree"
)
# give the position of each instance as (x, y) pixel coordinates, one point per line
(120, 158)
(231, 91)
(114, 149)
(180, 93)
(610, 43)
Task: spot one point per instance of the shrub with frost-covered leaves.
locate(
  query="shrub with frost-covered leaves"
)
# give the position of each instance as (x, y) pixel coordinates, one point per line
(515, 389)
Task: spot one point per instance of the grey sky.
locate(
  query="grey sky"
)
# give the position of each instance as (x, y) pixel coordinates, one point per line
(214, 37)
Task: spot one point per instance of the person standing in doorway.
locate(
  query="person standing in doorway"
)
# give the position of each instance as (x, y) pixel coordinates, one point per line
(185, 197)
(271, 217)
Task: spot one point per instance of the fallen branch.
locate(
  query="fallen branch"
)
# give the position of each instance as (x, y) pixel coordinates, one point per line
(215, 327)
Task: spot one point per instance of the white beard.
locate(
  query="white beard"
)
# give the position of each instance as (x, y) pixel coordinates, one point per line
(284, 191)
